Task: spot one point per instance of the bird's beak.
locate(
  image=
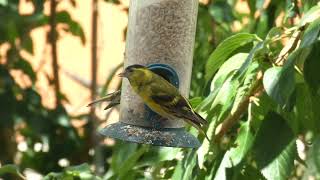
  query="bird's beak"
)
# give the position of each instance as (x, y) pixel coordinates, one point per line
(123, 74)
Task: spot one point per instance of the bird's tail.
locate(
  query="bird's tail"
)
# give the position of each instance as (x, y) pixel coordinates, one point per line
(199, 123)
(200, 119)
(113, 98)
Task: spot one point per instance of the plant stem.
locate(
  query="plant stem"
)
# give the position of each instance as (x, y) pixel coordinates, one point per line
(53, 43)
(227, 123)
(98, 155)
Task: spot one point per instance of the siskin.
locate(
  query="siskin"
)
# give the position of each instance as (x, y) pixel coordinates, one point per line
(161, 96)
(113, 98)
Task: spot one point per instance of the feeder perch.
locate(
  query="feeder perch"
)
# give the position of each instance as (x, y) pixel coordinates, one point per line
(160, 36)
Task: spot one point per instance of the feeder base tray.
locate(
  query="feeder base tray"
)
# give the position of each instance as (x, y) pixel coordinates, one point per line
(170, 137)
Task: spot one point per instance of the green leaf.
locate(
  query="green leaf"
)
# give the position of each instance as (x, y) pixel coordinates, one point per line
(249, 82)
(306, 107)
(189, 164)
(195, 101)
(232, 64)
(310, 16)
(111, 75)
(244, 67)
(225, 50)
(309, 38)
(121, 152)
(243, 144)
(3, 2)
(281, 168)
(178, 170)
(225, 71)
(279, 82)
(113, 1)
(274, 147)
(316, 152)
(225, 98)
(222, 12)
(184, 169)
(250, 173)
(27, 44)
(235, 155)
(10, 169)
(311, 68)
(130, 162)
(225, 170)
(159, 154)
(73, 26)
(83, 171)
(313, 160)
(76, 30)
(311, 34)
(26, 68)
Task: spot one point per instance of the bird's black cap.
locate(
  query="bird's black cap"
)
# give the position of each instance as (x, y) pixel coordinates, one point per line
(135, 66)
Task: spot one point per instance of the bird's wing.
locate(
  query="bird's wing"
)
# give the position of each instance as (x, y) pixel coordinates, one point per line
(170, 99)
(113, 98)
(178, 106)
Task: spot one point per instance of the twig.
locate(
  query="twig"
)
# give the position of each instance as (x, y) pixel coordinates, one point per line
(242, 108)
(93, 123)
(258, 89)
(290, 46)
(53, 43)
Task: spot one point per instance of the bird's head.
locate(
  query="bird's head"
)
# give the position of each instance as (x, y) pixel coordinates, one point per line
(136, 73)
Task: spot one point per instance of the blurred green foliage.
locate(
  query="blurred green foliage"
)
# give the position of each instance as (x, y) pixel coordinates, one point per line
(22, 112)
(262, 78)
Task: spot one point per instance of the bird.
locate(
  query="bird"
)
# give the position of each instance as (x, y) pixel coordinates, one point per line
(162, 97)
(113, 98)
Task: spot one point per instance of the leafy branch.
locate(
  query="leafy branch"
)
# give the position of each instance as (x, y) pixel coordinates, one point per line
(257, 89)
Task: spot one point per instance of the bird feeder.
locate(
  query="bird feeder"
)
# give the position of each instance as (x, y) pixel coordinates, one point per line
(160, 36)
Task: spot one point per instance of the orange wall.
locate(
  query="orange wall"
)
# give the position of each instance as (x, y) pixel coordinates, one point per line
(74, 57)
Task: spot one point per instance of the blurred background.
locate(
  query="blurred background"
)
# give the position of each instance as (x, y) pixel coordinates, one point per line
(58, 55)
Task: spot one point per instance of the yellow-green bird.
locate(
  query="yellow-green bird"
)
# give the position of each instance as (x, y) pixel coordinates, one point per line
(161, 96)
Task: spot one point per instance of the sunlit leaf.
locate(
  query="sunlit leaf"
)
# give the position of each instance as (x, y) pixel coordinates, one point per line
(244, 67)
(224, 72)
(313, 160)
(279, 81)
(10, 169)
(315, 152)
(311, 34)
(3, 2)
(225, 169)
(249, 82)
(310, 16)
(243, 144)
(26, 68)
(225, 50)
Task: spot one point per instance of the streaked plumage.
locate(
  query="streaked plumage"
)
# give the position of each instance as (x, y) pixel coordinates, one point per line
(113, 98)
(161, 96)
